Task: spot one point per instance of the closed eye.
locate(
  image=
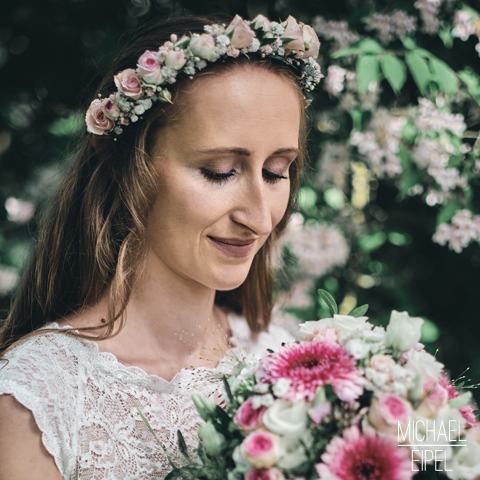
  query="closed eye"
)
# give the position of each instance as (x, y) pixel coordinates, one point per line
(219, 177)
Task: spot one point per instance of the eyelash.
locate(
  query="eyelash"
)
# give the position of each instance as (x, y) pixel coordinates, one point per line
(220, 178)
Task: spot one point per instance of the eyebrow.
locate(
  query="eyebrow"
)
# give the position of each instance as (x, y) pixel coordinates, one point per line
(246, 153)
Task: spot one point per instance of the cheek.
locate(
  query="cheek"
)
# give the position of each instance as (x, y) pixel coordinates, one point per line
(184, 208)
(279, 202)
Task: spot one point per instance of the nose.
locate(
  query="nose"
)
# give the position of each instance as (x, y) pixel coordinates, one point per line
(253, 208)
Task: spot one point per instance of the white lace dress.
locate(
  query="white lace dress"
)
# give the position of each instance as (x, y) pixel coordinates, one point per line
(78, 396)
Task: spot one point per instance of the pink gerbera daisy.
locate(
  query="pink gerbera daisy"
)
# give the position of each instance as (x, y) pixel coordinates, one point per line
(366, 456)
(309, 365)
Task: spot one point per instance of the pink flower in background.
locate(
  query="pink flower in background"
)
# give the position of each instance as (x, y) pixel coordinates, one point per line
(309, 365)
(242, 34)
(19, 210)
(265, 474)
(261, 449)
(128, 83)
(149, 68)
(249, 418)
(357, 456)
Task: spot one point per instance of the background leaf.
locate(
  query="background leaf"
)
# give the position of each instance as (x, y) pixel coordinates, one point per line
(394, 71)
(367, 71)
(419, 70)
(444, 76)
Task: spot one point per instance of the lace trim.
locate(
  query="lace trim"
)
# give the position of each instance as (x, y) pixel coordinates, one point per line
(108, 363)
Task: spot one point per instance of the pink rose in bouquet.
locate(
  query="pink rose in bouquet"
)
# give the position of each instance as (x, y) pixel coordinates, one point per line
(388, 411)
(249, 418)
(265, 474)
(260, 448)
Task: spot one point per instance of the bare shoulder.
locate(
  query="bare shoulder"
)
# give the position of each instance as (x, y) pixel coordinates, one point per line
(22, 453)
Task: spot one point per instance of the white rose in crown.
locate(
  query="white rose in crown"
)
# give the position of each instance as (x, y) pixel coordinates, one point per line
(203, 46)
(403, 332)
(175, 59)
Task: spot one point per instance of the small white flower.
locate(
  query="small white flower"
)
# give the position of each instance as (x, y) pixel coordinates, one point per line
(277, 28)
(281, 387)
(357, 348)
(254, 46)
(262, 400)
(139, 109)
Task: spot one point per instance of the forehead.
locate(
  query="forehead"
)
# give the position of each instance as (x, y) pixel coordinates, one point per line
(245, 107)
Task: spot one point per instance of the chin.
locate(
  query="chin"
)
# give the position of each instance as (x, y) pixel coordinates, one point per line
(229, 278)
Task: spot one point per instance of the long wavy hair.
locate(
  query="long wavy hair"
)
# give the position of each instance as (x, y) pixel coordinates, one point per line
(91, 241)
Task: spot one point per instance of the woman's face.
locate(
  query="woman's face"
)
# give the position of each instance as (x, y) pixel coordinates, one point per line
(223, 174)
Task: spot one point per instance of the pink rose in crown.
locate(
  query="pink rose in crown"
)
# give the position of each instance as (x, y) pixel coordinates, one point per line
(261, 448)
(265, 474)
(128, 83)
(249, 418)
(110, 109)
(387, 411)
(261, 22)
(149, 68)
(204, 47)
(311, 42)
(175, 59)
(295, 32)
(96, 120)
(242, 34)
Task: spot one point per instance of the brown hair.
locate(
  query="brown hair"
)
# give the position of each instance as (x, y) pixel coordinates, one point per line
(92, 238)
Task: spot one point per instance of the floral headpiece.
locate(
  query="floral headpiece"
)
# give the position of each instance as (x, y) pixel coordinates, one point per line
(293, 43)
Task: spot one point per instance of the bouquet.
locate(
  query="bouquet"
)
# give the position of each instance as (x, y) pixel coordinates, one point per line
(347, 401)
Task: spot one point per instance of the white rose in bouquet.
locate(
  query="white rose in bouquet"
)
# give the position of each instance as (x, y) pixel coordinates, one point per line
(287, 419)
(403, 332)
(425, 364)
(465, 463)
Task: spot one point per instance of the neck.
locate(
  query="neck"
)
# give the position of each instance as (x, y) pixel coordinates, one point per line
(172, 317)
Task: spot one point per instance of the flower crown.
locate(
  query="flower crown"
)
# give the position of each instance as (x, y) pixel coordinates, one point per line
(293, 43)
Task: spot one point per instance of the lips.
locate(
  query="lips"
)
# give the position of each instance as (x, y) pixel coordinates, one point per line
(233, 247)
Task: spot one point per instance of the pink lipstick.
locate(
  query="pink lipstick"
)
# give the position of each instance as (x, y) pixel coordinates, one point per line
(234, 247)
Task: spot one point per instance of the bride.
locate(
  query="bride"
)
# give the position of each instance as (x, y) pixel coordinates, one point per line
(152, 268)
